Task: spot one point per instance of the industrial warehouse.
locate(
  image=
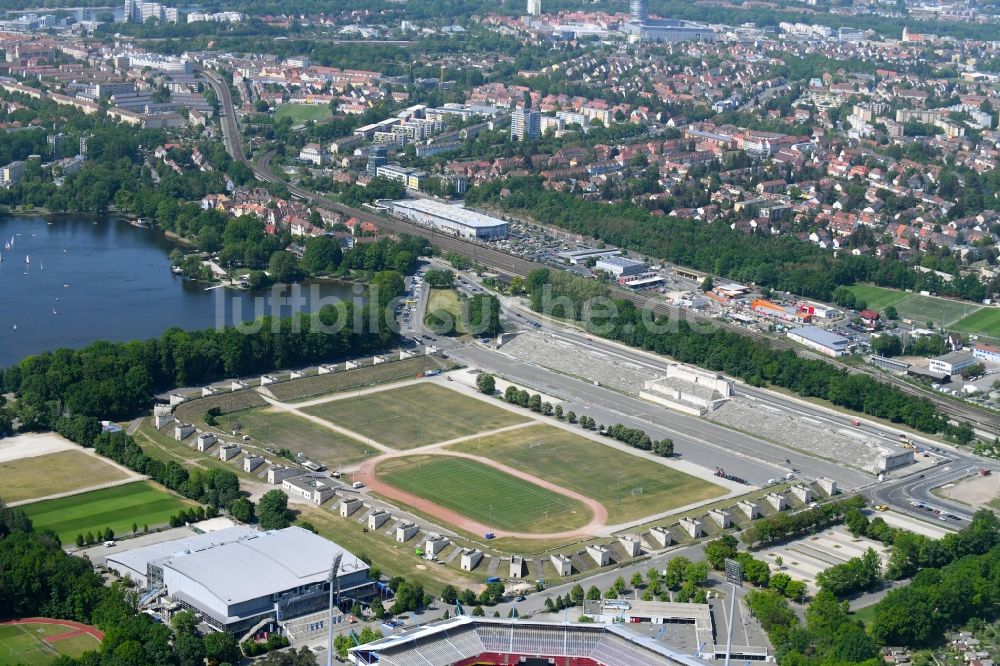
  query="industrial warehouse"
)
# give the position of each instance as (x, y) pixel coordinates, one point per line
(238, 577)
(452, 219)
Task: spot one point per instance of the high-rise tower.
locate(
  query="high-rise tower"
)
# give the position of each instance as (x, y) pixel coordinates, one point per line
(638, 11)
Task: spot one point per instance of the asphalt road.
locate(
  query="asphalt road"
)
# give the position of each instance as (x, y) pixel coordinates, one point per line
(901, 493)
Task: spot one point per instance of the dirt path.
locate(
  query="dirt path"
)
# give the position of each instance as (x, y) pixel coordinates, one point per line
(598, 512)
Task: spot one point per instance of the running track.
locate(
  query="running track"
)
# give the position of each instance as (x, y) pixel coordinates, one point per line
(73, 628)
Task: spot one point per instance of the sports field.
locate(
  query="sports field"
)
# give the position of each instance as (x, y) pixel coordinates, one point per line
(141, 503)
(54, 473)
(593, 469)
(39, 644)
(269, 427)
(470, 488)
(415, 415)
(984, 322)
(961, 316)
(942, 312)
(300, 113)
(877, 298)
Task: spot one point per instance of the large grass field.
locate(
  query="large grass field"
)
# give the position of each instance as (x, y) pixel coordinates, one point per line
(300, 113)
(984, 322)
(592, 469)
(271, 428)
(24, 644)
(141, 503)
(471, 488)
(942, 312)
(415, 415)
(64, 471)
(877, 298)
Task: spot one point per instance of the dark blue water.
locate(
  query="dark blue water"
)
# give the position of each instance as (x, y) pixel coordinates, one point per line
(108, 280)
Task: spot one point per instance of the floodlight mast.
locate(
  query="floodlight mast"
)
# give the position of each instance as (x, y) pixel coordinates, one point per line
(734, 576)
(334, 581)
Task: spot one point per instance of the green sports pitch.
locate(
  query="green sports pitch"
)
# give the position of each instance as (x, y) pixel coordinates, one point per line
(629, 486)
(300, 113)
(471, 488)
(985, 321)
(25, 644)
(140, 503)
(877, 298)
(942, 311)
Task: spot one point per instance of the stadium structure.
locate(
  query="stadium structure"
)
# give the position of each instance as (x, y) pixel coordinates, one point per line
(640, 26)
(476, 641)
(237, 578)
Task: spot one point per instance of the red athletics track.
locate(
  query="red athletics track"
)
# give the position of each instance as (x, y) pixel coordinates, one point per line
(73, 628)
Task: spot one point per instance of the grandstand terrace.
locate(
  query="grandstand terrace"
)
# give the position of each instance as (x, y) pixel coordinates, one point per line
(464, 641)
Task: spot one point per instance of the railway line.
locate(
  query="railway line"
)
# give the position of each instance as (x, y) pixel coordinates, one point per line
(984, 421)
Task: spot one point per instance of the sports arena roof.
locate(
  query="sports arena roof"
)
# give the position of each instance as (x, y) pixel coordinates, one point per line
(460, 639)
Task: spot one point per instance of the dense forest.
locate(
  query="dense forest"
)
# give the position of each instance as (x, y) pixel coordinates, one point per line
(116, 380)
(778, 262)
(755, 362)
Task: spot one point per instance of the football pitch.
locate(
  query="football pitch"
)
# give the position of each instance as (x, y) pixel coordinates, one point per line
(877, 298)
(629, 487)
(141, 503)
(943, 312)
(415, 415)
(272, 428)
(25, 643)
(300, 113)
(471, 488)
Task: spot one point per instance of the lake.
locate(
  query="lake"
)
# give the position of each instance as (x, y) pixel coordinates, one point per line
(68, 281)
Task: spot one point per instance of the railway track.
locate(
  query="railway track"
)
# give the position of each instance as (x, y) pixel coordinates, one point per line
(983, 420)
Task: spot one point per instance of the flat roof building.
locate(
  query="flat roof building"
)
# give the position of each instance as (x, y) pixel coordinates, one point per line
(620, 266)
(951, 363)
(453, 219)
(237, 577)
(822, 341)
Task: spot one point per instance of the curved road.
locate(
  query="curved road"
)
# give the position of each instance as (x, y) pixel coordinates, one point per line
(984, 420)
